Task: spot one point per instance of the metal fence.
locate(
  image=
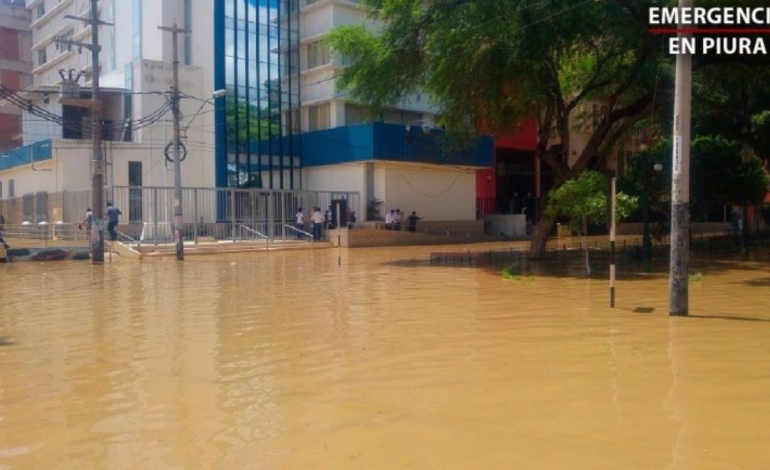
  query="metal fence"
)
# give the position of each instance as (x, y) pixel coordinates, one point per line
(217, 213)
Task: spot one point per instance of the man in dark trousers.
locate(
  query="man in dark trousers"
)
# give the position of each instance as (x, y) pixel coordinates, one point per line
(113, 215)
(411, 222)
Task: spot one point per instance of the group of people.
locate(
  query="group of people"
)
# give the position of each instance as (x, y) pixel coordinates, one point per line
(316, 217)
(394, 220)
(113, 216)
(320, 220)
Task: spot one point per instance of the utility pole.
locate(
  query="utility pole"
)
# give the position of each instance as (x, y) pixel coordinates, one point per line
(680, 183)
(178, 221)
(613, 210)
(97, 170)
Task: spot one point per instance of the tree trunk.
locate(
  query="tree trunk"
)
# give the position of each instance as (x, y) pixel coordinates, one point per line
(540, 237)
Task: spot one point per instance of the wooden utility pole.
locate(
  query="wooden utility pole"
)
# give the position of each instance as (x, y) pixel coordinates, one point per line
(680, 183)
(178, 219)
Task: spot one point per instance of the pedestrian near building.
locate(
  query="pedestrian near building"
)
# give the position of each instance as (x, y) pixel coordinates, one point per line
(113, 216)
(399, 219)
(318, 223)
(2, 241)
(390, 219)
(300, 222)
(85, 224)
(411, 222)
(329, 221)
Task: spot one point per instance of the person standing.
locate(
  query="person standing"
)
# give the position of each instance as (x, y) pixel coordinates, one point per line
(113, 215)
(390, 219)
(399, 219)
(411, 222)
(318, 223)
(300, 221)
(2, 241)
(328, 215)
(87, 221)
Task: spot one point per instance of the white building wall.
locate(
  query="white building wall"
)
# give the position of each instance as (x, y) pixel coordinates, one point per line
(347, 177)
(435, 193)
(152, 72)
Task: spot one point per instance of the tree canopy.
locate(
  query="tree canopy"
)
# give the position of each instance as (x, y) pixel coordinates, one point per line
(577, 66)
(488, 65)
(720, 176)
(584, 199)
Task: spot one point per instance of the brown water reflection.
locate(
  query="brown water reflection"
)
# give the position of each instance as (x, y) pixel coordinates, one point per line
(289, 361)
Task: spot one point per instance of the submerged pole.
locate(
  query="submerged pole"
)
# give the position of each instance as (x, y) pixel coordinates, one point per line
(612, 240)
(680, 183)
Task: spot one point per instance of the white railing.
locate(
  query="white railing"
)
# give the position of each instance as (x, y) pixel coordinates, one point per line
(301, 233)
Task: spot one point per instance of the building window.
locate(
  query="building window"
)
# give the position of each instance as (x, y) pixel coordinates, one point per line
(134, 192)
(318, 54)
(187, 37)
(136, 23)
(319, 117)
(128, 101)
(113, 46)
(66, 37)
(41, 10)
(291, 67)
(42, 57)
(11, 188)
(354, 114)
(41, 207)
(397, 116)
(28, 208)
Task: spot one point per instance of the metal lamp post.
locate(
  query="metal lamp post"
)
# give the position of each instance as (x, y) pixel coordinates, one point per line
(746, 155)
(646, 238)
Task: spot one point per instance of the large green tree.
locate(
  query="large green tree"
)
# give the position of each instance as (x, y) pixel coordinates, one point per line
(490, 64)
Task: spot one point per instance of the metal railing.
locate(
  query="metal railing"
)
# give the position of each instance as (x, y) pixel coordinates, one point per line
(47, 233)
(201, 207)
(258, 234)
(301, 233)
(128, 240)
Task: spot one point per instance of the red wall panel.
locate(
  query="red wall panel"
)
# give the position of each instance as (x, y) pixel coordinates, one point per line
(9, 44)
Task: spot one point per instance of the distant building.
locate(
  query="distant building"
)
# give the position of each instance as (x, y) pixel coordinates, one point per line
(15, 66)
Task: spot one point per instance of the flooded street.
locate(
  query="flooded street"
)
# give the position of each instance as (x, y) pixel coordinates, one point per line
(288, 360)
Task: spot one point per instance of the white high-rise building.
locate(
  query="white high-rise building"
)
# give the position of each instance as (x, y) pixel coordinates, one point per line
(281, 124)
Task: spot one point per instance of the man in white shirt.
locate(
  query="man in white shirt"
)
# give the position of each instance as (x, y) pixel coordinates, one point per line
(318, 222)
(390, 219)
(300, 222)
(399, 219)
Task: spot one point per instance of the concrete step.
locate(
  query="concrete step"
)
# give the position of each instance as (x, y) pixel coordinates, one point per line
(221, 248)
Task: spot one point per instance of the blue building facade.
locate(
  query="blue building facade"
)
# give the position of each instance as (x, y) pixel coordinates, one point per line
(257, 61)
(259, 142)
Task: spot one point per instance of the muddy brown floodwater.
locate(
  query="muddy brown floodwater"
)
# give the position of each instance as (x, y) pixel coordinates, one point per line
(289, 361)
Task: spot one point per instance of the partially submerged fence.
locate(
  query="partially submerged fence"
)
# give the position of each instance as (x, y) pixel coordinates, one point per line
(148, 212)
(630, 248)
